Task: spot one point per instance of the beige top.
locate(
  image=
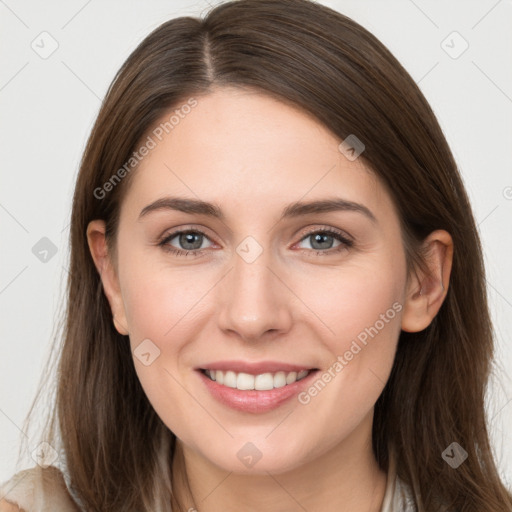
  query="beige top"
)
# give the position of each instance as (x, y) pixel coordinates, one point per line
(45, 490)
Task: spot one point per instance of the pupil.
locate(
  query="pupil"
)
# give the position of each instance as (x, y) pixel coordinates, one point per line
(188, 238)
(319, 238)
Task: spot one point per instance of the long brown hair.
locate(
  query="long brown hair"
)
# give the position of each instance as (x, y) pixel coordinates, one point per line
(118, 453)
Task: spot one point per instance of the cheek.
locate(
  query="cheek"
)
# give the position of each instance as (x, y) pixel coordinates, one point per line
(351, 301)
(362, 306)
(162, 306)
(167, 307)
(166, 304)
(159, 300)
(359, 312)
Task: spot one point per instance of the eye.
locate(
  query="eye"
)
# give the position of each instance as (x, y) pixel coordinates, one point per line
(189, 241)
(324, 241)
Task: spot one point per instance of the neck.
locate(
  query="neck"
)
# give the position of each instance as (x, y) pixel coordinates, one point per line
(345, 478)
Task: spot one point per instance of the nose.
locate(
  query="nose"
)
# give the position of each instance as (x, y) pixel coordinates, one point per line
(254, 302)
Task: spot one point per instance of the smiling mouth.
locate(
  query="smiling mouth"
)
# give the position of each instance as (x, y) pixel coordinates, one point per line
(260, 382)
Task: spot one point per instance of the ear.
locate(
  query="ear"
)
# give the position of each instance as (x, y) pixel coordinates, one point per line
(109, 278)
(426, 292)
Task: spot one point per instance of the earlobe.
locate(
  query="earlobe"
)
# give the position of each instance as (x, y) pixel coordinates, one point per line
(99, 251)
(426, 291)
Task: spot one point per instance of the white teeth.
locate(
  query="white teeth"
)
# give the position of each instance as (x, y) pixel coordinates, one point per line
(230, 379)
(245, 381)
(280, 379)
(264, 382)
(261, 382)
(291, 377)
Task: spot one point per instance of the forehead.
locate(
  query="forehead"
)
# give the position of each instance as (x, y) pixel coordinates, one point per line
(244, 148)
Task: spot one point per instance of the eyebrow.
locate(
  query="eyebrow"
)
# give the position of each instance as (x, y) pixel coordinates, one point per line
(297, 209)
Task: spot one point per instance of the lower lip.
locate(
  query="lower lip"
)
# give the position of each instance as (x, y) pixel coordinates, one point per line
(252, 400)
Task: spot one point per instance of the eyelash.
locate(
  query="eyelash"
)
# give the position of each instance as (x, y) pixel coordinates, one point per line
(346, 243)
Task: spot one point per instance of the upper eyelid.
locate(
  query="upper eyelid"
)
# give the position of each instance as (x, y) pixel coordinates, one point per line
(334, 230)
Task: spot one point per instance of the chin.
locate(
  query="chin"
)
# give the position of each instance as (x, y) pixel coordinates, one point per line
(255, 457)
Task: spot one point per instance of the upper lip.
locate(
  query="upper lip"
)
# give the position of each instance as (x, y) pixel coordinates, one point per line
(254, 368)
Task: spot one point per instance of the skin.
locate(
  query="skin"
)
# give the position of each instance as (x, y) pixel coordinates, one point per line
(253, 155)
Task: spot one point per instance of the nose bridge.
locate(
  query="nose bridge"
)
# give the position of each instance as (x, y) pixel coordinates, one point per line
(254, 301)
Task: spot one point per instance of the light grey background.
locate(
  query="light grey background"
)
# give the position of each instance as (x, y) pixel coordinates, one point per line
(48, 106)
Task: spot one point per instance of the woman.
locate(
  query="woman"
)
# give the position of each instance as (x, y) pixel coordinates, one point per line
(269, 305)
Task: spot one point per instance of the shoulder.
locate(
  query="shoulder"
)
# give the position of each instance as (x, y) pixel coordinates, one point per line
(398, 496)
(36, 489)
(404, 496)
(5, 506)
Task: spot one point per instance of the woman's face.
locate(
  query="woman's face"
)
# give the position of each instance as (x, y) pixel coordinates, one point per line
(266, 288)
